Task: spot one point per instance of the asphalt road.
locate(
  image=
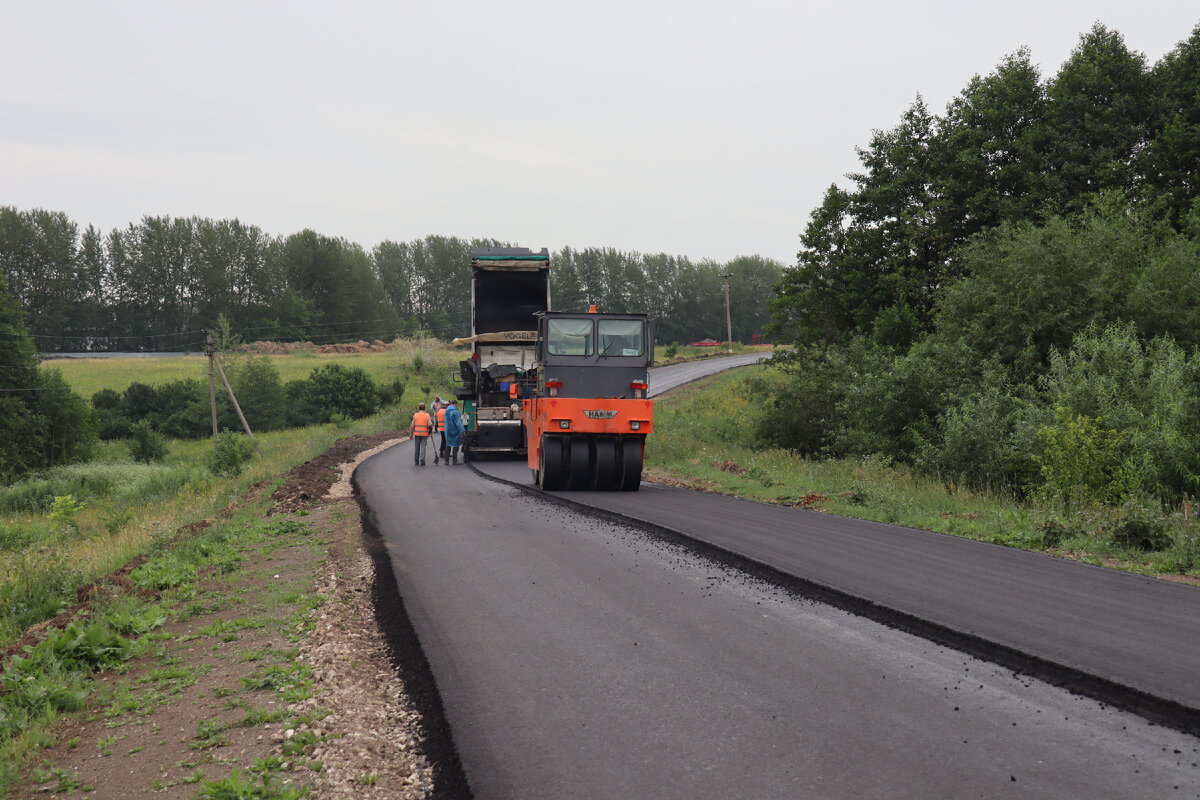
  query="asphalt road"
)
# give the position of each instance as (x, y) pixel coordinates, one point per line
(575, 657)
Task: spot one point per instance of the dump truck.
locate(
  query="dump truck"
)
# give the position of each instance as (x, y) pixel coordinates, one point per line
(510, 286)
(566, 390)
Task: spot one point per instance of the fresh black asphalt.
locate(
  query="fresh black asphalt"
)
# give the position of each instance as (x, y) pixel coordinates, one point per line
(575, 656)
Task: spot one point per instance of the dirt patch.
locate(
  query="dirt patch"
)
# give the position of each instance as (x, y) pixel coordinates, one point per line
(309, 483)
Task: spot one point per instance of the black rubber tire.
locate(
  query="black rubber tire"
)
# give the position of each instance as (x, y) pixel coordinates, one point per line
(579, 476)
(550, 463)
(604, 475)
(631, 463)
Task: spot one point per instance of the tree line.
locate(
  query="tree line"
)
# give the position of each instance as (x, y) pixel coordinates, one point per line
(156, 284)
(1009, 294)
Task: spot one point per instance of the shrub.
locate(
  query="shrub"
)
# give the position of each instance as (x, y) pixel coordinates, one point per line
(182, 409)
(1143, 526)
(146, 444)
(1077, 458)
(391, 393)
(334, 389)
(671, 351)
(64, 510)
(260, 393)
(110, 408)
(230, 453)
(299, 410)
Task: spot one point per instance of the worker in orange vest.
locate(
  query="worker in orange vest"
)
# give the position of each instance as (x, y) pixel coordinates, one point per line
(439, 425)
(420, 430)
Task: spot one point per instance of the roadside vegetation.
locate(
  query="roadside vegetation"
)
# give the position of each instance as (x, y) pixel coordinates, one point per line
(708, 436)
(63, 527)
(184, 636)
(64, 531)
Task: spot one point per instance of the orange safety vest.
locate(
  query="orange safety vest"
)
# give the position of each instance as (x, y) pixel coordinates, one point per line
(422, 423)
(441, 419)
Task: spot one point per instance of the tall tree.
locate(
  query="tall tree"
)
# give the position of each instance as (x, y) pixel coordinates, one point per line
(1170, 164)
(1098, 118)
(989, 150)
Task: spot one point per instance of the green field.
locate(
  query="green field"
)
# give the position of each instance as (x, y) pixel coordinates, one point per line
(89, 375)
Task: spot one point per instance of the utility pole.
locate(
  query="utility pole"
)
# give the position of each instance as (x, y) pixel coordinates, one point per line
(212, 386)
(728, 319)
(211, 352)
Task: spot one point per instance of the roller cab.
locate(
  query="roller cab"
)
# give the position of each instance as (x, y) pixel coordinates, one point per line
(589, 414)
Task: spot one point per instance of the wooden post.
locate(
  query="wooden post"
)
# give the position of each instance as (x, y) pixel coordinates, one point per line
(212, 386)
(728, 319)
(236, 407)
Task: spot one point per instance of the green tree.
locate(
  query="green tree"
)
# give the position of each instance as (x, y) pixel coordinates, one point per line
(337, 389)
(1099, 116)
(1170, 164)
(337, 278)
(260, 393)
(989, 149)
(42, 423)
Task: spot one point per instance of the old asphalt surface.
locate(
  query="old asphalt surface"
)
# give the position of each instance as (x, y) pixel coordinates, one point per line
(718, 648)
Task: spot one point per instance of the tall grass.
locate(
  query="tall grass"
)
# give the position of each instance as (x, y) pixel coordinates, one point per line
(127, 507)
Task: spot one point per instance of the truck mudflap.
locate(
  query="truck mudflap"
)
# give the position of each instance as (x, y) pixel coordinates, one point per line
(592, 444)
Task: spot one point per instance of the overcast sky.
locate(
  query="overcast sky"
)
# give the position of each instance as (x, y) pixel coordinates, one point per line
(694, 128)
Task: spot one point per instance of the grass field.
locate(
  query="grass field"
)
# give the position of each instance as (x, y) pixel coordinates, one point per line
(89, 375)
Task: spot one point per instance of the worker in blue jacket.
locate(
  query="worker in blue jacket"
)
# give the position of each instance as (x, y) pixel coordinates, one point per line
(453, 431)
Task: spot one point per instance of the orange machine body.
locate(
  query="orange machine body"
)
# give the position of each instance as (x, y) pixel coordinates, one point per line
(591, 416)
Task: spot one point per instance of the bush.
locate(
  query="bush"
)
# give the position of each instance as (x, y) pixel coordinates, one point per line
(260, 393)
(230, 454)
(1143, 526)
(334, 389)
(391, 393)
(671, 351)
(146, 444)
(110, 408)
(1077, 459)
(183, 410)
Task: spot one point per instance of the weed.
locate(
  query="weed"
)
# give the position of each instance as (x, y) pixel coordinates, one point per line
(302, 742)
(67, 779)
(250, 787)
(290, 681)
(163, 572)
(226, 630)
(210, 733)
(131, 618)
(105, 745)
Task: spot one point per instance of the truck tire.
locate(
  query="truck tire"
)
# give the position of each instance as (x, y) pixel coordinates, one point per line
(631, 463)
(604, 476)
(579, 475)
(550, 463)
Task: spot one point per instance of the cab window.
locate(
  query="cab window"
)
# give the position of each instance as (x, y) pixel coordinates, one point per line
(569, 337)
(622, 337)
